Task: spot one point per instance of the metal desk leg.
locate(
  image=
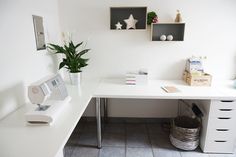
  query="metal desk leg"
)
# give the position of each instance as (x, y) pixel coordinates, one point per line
(98, 117)
(105, 110)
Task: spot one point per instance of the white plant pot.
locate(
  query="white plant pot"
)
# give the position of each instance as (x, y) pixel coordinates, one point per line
(75, 78)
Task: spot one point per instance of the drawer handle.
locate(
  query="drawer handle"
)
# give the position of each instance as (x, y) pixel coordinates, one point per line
(227, 101)
(225, 109)
(220, 141)
(222, 129)
(224, 117)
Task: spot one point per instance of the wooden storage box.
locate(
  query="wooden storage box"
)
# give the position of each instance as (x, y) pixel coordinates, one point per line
(192, 80)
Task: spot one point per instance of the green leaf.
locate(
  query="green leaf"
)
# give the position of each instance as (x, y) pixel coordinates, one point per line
(73, 61)
(78, 45)
(62, 64)
(82, 53)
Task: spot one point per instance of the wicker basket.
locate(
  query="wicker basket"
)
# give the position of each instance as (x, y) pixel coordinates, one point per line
(185, 133)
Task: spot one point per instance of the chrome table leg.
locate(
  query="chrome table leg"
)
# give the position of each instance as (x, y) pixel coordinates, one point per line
(105, 111)
(98, 117)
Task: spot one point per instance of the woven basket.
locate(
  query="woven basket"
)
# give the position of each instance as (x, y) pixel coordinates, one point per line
(185, 133)
(190, 145)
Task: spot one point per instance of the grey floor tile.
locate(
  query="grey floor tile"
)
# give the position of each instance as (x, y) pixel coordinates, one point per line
(68, 150)
(89, 139)
(136, 129)
(162, 152)
(161, 141)
(85, 152)
(90, 127)
(73, 140)
(116, 140)
(138, 140)
(112, 152)
(79, 127)
(118, 128)
(139, 152)
(156, 128)
(193, 154)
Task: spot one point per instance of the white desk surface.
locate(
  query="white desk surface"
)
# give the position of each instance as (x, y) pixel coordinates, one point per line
(116, 88)
(19, 140)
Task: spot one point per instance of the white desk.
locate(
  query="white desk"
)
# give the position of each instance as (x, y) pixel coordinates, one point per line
(114, 88)
(19, 140)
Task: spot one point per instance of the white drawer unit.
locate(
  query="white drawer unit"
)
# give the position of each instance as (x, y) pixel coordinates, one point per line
(218, 126)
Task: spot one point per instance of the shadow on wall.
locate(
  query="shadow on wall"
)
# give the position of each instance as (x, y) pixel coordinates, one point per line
(55, 61)
(11, 99)
(234, 77)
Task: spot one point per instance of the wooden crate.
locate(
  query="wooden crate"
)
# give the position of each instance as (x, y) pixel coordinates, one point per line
(192, 80)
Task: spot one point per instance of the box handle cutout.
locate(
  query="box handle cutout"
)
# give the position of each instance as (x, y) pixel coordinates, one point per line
(222, 129)
(220, 141)
(225, 109)
(224, 117)
(227, 101)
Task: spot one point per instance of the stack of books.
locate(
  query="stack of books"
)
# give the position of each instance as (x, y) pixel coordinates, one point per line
(194, 66)
(194, 74)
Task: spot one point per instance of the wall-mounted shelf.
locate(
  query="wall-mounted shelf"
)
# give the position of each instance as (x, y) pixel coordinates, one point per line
(119, 14)
(174, 29)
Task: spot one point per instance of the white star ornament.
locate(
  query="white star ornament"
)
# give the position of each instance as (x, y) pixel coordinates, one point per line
(131, 22)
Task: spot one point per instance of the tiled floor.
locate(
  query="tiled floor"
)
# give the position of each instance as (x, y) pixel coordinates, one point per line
(126, 140)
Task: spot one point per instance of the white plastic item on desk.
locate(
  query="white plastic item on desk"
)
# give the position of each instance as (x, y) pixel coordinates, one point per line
(140, 78)
(47, 117)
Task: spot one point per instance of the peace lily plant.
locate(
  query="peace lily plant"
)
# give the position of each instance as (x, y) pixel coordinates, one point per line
(73, 59)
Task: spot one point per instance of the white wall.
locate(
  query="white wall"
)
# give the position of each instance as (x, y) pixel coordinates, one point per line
(20, 63)
(210, 31)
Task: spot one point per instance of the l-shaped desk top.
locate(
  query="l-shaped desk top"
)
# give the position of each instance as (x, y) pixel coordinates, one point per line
(116, 88)
(18, 139)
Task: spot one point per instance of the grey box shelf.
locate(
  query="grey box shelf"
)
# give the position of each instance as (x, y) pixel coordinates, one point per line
(174, 29)
(118, 14)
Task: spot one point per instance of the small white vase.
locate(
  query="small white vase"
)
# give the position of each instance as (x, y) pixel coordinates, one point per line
(75, 78)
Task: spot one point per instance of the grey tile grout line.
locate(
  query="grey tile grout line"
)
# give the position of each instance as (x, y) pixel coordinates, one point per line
(149, 139)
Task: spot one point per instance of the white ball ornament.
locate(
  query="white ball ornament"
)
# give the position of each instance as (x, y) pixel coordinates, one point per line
(163, 37)
(170, 37)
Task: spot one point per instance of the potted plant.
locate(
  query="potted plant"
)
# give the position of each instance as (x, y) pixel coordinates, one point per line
(73, 59)
(152, 18)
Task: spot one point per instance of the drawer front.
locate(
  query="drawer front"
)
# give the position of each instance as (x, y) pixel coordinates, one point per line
(222, 122)
(223, 108)
(221, 134)
(219, 146)
(221, 127)
(223, 104)
(223, 112)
